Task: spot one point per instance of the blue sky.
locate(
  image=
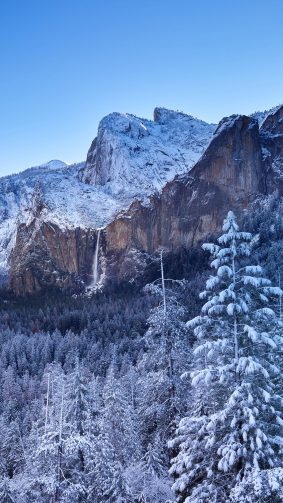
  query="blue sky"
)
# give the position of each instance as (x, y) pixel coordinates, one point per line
(66, 63)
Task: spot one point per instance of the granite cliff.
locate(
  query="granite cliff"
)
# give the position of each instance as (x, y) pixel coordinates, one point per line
(145, 185)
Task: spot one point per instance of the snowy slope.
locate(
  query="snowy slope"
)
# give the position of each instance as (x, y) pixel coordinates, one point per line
(261, 116)
(66, 201)
(139, 156)
(131, 158)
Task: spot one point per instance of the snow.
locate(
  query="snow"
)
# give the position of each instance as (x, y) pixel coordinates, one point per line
(131, 158)
(137, 157)
(226, 123)
(68, 203)
(54, 164)
(261, 116)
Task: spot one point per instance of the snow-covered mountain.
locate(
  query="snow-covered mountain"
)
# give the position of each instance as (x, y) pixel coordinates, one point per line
(138, 156)
(166, 182)
(130, 158)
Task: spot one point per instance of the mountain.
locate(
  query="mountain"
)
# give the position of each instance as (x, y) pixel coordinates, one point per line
(130, 158)
(137, 156)
(145, 185)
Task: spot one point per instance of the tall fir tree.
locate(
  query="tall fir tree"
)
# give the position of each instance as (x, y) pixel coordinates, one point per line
(235, 427)
(163, 361)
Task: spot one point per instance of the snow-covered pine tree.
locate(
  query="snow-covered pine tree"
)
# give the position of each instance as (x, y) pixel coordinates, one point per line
(160, 393)
(161, 366)
(6, 493)
(45, 467)
(77, 442)
(114, 446)
(105, 483)
(152, 461)
(235, 425)
(11, 449)
(260, 486)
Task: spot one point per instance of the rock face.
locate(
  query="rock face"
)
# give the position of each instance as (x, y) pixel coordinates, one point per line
(139, 156)
(130, 159)
(228, 176)
(45, 256)
(271, 133)
(240, 162)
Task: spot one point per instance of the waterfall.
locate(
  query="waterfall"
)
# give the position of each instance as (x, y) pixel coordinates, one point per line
(95, 261)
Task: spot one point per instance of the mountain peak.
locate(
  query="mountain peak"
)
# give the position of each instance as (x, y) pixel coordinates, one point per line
(261, 116)
(138, 156)
(132, 163)
(54, 164)
(163, 115)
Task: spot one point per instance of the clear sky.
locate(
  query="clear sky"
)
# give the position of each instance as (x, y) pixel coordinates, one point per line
(64, 64)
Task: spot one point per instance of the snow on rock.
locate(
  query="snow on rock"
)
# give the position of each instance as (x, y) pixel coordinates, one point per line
(226, 122)
(52, 194)
(261, 116)
(138, 156)
(130, 158)
(271, 131)
(54, 164)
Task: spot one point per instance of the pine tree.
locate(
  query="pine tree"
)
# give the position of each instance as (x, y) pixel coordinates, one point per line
(160, 396)
(11, 449)
(7, 494)
(101, 478)
(46, 461)
(152, 461)
(76, 445)
(161, 365)
(115, 444)
(235, 425)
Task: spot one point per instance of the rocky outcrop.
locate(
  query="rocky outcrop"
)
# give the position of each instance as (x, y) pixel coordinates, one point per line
(130, 159)
(45, 256)
(240, 162)
(271, 133)
(229, 175)
(138, 156)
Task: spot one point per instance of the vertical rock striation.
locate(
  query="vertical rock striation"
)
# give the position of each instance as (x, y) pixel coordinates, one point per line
(240, 163)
